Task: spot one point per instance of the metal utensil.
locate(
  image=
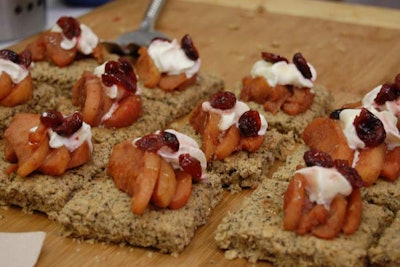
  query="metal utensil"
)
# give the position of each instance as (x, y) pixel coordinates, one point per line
(128, 43)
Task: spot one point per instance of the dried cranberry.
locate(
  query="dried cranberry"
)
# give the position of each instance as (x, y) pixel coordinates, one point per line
(70, 27)
(223, 100)
(150, 142)
(170, 140)
(190, 165)
(25, 58)
(70, 125)
(369, 128)
(9, 55)
(388, 92)
(249, 123)
(120, 73)
(349, 173)
(301, 64)
(189, 48)
(336, 114)
(315, 157)
(273, 58)
(52, 118)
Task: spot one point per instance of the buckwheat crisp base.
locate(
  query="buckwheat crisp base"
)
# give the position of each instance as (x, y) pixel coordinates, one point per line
(387, 251)
(321, 106)
(255, 231)
(102, 212)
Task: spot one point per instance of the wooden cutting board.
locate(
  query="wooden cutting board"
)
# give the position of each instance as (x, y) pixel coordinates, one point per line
(353, 49)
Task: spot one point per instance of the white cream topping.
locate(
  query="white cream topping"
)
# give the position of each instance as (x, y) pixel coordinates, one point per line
(16, 72)
(391, 106)
(347, 117)
(84, 134)
(282, 73)
(187, 145)
(170, 58)
(111, 91)
(231, 116)
(323, 184)
(85, 42)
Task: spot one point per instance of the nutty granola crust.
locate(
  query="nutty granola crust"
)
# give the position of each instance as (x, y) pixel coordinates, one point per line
(102, 212)
(387, 251)
(255, 231)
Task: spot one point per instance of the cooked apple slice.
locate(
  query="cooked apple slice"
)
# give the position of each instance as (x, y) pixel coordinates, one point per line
(253, 143)
(21, 93)
(228, 143)
(183, 190)
(370, 163)
(128, 111)
(93, 101)
(326, 135)
(5, 85)
(55, 53)
(124, 165)
(171, 82)
(316, 216)
(146, 69)
(299, 102)
(79, 91)
(391, 165)
(145, 182)
(353, 213)
(9, 154)
(335, 221)
(210, 135)
(55, 162)
(294, 198)
(34, 159)
(276, 97)
(197, 119)
(165, 187)
(255, 89)
(79, 156)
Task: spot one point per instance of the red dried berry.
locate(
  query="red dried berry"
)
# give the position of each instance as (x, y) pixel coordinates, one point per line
(223, 100)
(170, 140)
(249, 123)
(120, 73)
(301, 64)
(9, 55)
(70, 125)
(315, 157)
(70, 26)
(349, 173)
(273, 58)
(336, 114)
(388, 92)
(189, 48)
(51, 118)
(369, 128)
(190, 165)
(25, 58)
(150, 142)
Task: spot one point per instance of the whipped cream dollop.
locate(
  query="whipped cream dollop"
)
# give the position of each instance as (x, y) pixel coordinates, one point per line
(323, 184)
(16, 72)
(231, 116)
(84, 134)
(282, 73)
(187, 145)
(346, 118)
(170, 58)
(85, 42)
(393, 106)
(111, 91)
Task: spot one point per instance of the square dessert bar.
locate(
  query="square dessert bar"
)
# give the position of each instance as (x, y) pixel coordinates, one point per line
(387, 251)
(255, 231)
(102, 212)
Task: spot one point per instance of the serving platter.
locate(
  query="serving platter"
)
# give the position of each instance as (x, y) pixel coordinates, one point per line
(353, 49)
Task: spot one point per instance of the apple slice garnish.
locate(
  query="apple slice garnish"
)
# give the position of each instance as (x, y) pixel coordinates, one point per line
(127, 112)
(183, 190)
(165, 188)
(21, 93)
(5, 85)
(56, 162)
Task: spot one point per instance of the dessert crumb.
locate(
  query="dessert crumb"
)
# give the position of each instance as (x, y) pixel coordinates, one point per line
(231, 254)
(149, 254)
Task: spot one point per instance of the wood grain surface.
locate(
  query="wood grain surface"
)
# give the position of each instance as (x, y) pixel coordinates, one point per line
(352, 48)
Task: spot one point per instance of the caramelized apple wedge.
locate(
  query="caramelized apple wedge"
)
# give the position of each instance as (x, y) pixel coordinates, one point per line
(210, 135)
(34, 158)
(146, 69)
(228, 143)
(165, 188)
(145, 182)
(294, 196)
(56, 162)
(171, 82)
(391, 165)
(54, 52)
(93, 102)
(353, 212)
(127, 112)
(79, 156)
(6, 85)
(370, 163)
(326, 135)
(183, 190)
(20, 93)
